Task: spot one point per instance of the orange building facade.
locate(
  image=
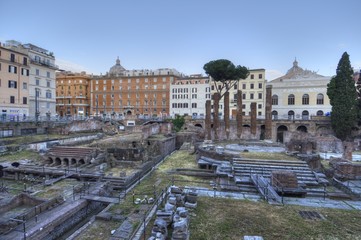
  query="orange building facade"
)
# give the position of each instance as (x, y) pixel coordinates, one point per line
(73, 94)
(137, 93)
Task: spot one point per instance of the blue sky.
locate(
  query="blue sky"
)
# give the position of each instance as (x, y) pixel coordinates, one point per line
(186, 34)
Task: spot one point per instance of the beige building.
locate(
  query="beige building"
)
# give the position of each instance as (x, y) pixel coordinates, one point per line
(14, 82)
(253, 90)
(300, 94)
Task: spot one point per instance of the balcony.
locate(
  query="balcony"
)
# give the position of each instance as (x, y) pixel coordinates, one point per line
(63, 97)
(81, 104)
(82, 97)
(44, 63)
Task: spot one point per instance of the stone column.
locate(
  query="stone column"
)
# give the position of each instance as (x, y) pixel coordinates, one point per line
(347, 150)
(268, 120)
(253, 118)
(208, 120)
(216, 98)
(226, 113)
(239, 116)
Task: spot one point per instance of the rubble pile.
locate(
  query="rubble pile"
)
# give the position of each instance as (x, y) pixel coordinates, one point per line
(174, 214)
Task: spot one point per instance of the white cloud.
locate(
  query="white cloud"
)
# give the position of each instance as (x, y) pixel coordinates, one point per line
(70, 66)
(273, 74)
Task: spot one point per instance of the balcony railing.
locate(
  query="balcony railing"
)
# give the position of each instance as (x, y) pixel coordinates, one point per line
(43, 63)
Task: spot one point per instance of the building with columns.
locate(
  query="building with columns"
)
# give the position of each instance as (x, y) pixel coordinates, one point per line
(14, 81)
(188, 96)
(137, 93)
(73, 94)
(300, 94)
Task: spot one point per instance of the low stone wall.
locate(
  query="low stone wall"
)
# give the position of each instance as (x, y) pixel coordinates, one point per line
(346, 169)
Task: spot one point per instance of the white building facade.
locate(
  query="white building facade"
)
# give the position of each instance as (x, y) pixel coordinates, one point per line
(300, 94)
(188, 96)
(42, 97)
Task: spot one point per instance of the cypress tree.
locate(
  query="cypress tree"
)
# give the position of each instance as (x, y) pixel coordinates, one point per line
(343, 98)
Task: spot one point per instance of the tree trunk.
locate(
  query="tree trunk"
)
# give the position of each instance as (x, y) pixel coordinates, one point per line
(216, 115)
(226, 114)
(239, 117)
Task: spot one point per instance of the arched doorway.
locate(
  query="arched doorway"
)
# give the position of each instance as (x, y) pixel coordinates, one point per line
(319, 113)
(66, 161)
(291, 115)
(81, 162)
(274, 115)
(73, 161)
(305, 115)
(302, 128)
(280, 132)
(129, 112)
(57, 161)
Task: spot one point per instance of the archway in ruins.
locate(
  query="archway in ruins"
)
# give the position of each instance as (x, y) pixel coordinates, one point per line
(66, 161)
(73, 161)
(49, 161)
(57, 161)
(198, 125)
(302, 128)
(280, 131)
(263, 132)
(81, 162)
(129, 112)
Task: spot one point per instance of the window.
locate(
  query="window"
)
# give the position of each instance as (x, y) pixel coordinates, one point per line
(252, 76)
(48, 74)
(12, 57)
(274, 100)
(12, 84)
(305, 99)
(48, 94)
(260, 85)
(194, 105)
(291, 99)
(320, 99)
(23, 72)
(259, 95)
(259, 106)
(212, 87)
(25, 85)
(243, 86)
(235, 86)
(25, 100)
(48, 84)
(260, 76)
(25, 61)
(252, 86)
(319, 113)
(13, 69)
(37, 72)
(37, 92)
(243, 96)
(251, 96)
(12, 99)
(305, 115)
(243, 106)
(37, 82)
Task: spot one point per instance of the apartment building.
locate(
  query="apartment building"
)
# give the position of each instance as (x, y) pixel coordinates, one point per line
(14, 81)
(42, 101)
(253, 90)
(138, 93)
(300, 94)
(188, 96)
(73, 94)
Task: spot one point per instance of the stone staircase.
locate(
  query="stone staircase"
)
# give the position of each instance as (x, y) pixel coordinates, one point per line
(243, 169)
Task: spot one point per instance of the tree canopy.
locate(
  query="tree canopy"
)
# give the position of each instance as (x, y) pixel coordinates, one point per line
(343, 98)
(225, 72)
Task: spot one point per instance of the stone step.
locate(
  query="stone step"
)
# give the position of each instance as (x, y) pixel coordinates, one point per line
(248, 166)
(268, 170)
(271, 162)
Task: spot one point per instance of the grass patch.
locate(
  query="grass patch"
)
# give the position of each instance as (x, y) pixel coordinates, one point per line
(233, 219)
(20, 155)
(99, 230)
